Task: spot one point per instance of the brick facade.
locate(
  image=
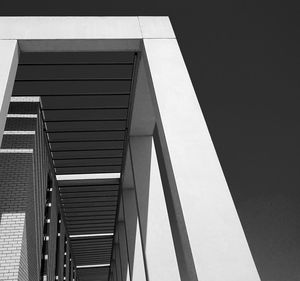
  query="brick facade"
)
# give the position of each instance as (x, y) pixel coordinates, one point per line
(25, 172)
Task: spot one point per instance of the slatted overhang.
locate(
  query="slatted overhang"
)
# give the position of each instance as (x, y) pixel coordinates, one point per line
(89, 205)
(92, 274)
(85, 101)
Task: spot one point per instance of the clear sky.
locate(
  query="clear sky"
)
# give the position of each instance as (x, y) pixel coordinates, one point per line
(244, 61)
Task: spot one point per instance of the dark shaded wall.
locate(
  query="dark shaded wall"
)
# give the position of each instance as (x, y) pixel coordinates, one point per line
(24, 177)
(243, 58)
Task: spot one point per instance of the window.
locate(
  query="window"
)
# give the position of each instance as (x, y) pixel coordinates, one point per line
(46, 232)
(57, 258)
(65, 256)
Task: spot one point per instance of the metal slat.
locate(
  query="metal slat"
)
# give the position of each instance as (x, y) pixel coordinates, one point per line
(89, 218)
(91, 249)
(69, 209)
(84, 114)
(67, 72)
(98, 245)
(72, 227)
(90, 222)
(40, 88)
(88, 162)
(88, 125)
(71, 195)
(94, 259)
(87, 190)
(89, 182)
(93, 276)
(75, 58)
(89, 170)
(86, 136)
(87, 145)
(95, 246)
(94, 239)
(84, 214)
(85, 101)
(90, 204)
(87, 154)
(94, 210)
(84, 209)
(107, 198)
(90, 199)
(91, 227)
(90, 243)
(91, 231)
(87, 255)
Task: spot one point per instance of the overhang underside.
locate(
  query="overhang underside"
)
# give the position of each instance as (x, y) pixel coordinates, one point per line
(85, 104)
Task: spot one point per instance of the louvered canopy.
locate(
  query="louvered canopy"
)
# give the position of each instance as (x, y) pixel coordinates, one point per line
(85, 102)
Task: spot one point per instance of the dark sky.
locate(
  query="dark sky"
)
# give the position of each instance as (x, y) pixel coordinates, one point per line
(244, 61)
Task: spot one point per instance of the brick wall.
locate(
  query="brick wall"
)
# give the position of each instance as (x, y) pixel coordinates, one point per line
(25, 169)
(15, 181)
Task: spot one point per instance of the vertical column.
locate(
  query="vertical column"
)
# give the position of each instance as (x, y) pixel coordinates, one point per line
(8, 66)
(155, 227)
(116, 258)
(134, 242)
(139, 272)
(137, 269)
(113, 269)
(209, 240)
(123, 247)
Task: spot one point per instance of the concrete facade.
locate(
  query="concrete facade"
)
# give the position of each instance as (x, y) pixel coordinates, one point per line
(176, 218)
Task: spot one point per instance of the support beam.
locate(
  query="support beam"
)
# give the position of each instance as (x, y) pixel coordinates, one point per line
(210, 242)
(139, 272)
(123, 248)
(134, 242)
(9, 57)
(153, 215)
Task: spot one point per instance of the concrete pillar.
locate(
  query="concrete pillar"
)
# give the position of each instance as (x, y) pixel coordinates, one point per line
(118, 260)
(134, 242)
(139, 271)
(9, 57)
(209, 240)
(123, 246)
(132, 229)
(157, 236)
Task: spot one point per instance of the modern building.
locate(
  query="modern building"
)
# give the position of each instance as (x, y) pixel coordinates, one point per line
(107, 169)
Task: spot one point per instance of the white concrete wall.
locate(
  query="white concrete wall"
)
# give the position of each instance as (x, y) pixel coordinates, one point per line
(8, 68)
(47, 28)
(218, 244)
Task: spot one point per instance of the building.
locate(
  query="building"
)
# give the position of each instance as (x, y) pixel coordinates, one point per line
(108, 171)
